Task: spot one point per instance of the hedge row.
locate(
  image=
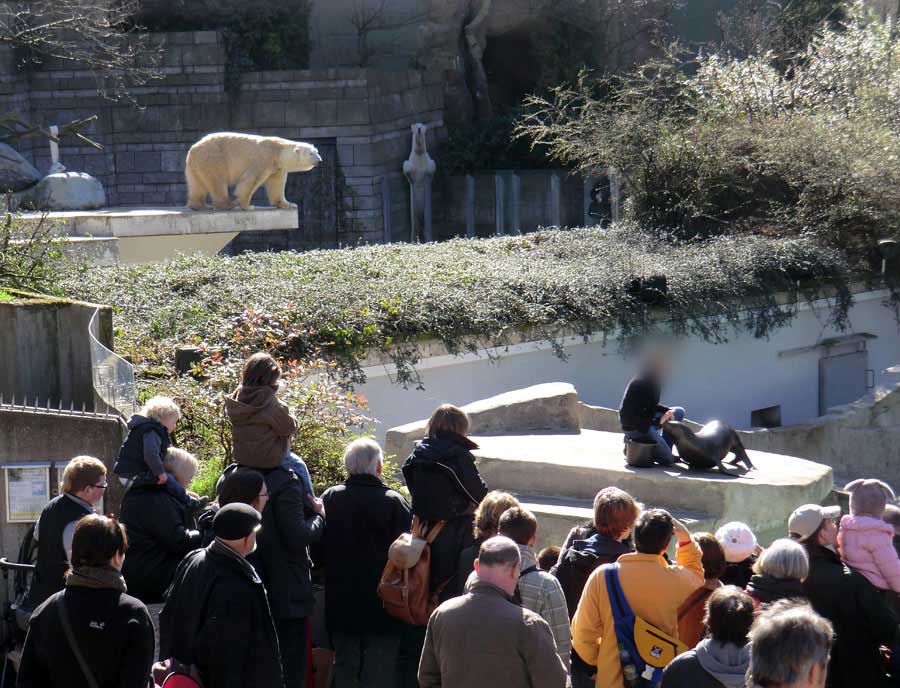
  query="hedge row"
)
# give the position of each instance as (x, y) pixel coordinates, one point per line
(466, 293)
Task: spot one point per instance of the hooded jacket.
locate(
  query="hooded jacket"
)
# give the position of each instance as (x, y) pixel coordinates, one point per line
(711, 665)
(765, 589)
(867, 545)
(261, 427)
(442, 478)
(143, 449)
(578, 561)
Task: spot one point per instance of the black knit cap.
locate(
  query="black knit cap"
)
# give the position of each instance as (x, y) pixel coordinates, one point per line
(236, 521)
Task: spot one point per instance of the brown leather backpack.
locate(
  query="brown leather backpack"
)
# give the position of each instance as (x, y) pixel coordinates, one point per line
(405, 586)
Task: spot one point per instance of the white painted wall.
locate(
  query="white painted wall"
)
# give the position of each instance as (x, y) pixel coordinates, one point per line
(725, 381)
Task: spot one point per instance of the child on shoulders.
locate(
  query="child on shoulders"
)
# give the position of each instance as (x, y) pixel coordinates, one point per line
(261, 424)
(865, 541)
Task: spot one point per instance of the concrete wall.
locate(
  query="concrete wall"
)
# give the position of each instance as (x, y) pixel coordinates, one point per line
(30, 435)
(712, 381)
(45, 351)
(362, 114)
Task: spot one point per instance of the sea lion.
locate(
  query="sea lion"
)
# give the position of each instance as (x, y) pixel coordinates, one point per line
(709, 446)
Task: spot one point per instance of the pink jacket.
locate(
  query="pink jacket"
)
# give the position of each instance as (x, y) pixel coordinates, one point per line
(867, 545)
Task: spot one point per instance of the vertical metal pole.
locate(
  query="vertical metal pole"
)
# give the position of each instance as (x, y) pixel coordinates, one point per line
(614, 194)
(427, 209)
(499, 219)
(470, 206)
(386, 209)
(587, 186)
(516, 199)
(554, 200)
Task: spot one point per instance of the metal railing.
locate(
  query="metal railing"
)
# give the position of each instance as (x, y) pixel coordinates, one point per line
(113, 375)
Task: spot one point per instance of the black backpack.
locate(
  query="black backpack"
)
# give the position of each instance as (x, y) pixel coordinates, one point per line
(573, 571)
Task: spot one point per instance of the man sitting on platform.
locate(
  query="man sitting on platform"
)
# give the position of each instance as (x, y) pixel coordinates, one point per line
(640, 413)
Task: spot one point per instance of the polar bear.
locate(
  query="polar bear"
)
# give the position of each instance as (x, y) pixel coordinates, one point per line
(246, 162)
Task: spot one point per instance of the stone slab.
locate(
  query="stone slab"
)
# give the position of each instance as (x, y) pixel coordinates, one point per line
(576, 466)
(149, 221)
(556, 517)
(551, 406)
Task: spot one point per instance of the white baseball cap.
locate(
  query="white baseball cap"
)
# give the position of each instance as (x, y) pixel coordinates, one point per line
(806, 520)
(737, 540)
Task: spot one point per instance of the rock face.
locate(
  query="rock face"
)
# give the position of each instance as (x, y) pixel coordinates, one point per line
(16, 173)
(65, 191)
(541, 408)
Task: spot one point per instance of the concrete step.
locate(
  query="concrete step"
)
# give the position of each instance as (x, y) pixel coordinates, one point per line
(574, 467)
(556, 517)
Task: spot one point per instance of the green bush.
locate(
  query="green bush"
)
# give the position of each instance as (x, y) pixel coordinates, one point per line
(467, 293)
(741, 145)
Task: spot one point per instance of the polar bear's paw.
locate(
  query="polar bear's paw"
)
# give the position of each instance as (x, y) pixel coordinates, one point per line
(286, 205)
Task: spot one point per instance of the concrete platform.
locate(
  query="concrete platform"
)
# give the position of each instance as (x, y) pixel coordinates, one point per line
(148, 234)
(559, 474)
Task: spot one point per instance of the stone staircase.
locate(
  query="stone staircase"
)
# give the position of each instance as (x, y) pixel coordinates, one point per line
(532, 445)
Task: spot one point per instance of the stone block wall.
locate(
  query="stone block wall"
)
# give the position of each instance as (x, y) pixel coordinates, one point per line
(364, 114)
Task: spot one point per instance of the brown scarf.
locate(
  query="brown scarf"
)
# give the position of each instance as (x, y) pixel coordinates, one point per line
(97, 578)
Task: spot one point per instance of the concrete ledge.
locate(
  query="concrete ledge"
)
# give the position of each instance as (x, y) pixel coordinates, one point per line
(576, 466)
(552, 406)
(140, 222)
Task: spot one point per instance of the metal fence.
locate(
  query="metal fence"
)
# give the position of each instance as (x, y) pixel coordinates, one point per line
(510, 195)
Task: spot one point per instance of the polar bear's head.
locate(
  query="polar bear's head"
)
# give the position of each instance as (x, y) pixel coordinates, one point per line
(300, 157)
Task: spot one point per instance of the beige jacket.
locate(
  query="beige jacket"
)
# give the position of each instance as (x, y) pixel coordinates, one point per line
(261, 427)
(483, 639)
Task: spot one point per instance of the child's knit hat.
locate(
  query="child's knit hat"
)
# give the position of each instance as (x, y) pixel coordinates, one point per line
(868, 497)
(737, 540)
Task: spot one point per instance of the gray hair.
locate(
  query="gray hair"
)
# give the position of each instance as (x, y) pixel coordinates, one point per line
(498, 551)
(183, 465)
(786, 641)
(362, 456)
(784, 559)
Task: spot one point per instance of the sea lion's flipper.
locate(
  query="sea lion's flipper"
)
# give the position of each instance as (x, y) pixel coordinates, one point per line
(740, 454)
(724, 470)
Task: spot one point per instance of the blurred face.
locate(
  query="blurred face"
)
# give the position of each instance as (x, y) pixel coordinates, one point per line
(169, 424)
(260, 502)
(93, 494)
(828, 533)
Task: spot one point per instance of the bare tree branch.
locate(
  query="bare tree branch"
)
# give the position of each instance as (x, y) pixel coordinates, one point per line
(97, 35)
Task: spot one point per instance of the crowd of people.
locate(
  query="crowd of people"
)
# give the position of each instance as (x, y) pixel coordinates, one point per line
(222, 594)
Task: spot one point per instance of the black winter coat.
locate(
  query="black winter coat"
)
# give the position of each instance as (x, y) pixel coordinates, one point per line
(861, 617)
(160, 533)
(113, 631)
(217, 617)
(364, 517)
(442, 478)
(282, 556)
(640, 404)
(739, 573)
(766, 589)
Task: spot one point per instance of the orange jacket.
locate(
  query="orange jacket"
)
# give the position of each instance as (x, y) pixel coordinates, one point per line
(654, 590)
